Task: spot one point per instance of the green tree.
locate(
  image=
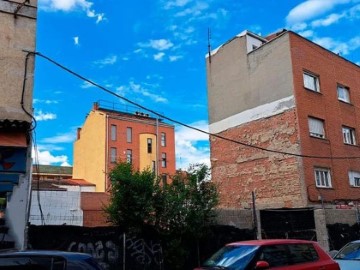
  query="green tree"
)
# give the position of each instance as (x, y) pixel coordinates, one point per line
(131, 197)
(182, 208)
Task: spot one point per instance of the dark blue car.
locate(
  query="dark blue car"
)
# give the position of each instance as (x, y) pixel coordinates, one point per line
(47, 260)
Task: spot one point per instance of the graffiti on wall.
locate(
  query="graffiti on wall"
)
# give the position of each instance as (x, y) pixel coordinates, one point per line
(110, 253)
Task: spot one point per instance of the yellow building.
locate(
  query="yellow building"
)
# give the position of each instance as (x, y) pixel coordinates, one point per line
(109, 136)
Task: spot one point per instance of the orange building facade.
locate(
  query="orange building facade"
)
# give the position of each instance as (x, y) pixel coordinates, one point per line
(109, 136)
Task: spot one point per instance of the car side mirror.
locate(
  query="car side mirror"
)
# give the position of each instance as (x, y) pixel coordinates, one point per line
(262, 265)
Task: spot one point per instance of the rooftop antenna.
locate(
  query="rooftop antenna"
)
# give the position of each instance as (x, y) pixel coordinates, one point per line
(209, 46)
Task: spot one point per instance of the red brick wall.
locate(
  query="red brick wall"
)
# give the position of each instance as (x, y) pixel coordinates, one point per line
(92, 204)
(238, 170)
(331, 69)
(95, 218)
(140, 128)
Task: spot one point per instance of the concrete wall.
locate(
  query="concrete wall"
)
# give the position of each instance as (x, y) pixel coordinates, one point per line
(16, 35)
(242, 219)
(58, 207)
(18, 210)
(238, 81)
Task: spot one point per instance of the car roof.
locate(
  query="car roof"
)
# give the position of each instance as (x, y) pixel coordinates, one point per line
(65, 254)
(355, 241)
(270, 242)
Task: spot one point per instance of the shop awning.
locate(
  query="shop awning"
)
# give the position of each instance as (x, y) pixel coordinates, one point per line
(13, 139)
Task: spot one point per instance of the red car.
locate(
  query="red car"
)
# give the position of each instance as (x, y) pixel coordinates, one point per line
(277, 254)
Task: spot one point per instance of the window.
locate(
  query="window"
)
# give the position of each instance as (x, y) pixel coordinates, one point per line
(316, 127)
(163, 139)
(311, 82)
(354, 178)
(343, 93)
(129, 134)
(153, 169)
(129, 156)
(288, 254)
(349, 135)
(322, 177)
(164, 179)
(113, 132)
(149, 146)
(163, 160)
(113, 154)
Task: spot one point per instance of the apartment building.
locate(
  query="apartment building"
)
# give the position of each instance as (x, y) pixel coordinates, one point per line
(285, 114)
(109, 136)
(17, 38)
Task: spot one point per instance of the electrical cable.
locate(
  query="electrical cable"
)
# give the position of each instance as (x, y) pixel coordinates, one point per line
(23, 92)
(183, 124)
(37, 173)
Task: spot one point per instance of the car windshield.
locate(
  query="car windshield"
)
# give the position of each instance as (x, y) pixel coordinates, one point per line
(232, 257)
(349, 252)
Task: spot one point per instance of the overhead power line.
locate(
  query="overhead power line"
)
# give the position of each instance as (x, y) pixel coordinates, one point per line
(181, 123)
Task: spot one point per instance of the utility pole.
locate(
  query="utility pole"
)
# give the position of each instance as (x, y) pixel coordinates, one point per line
(254, 214)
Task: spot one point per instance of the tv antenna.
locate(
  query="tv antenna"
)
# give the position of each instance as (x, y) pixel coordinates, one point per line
(209, 45)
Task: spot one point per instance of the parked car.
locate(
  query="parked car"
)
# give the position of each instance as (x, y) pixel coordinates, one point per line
(281, 254)
(349, 256)
(47, 260)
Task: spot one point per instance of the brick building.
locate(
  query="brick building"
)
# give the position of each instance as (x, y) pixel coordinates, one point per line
(109, 136)
(50, 172)
(294, 106)
(17, 38)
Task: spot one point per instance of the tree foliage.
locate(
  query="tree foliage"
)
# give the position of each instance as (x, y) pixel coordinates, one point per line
(183, 207)
(131, 201)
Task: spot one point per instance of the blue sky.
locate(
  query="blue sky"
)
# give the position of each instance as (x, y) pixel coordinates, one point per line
(153, 53)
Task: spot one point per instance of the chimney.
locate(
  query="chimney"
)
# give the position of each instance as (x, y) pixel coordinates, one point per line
(78, 133)
(96, 106)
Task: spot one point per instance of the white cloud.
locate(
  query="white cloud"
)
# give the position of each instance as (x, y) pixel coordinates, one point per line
(41, 116)
(311, 9)
(174, 58)
(157, 44)
(354, 12)
(329, 20)
(86, 85)
(175, 3)
(110, 60)
(71, 5)
(194, 11)
(192, 146)
(92, 14)
(44, 157)
(307, 33)
(340, 47)
(61, 138)
(299, 26)
(76, 41)
(141, 89)
(137, 88)
(159, 56)
(47, 101)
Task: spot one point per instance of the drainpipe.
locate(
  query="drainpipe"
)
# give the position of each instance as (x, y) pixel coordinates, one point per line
(106, 151)
(157, 148)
